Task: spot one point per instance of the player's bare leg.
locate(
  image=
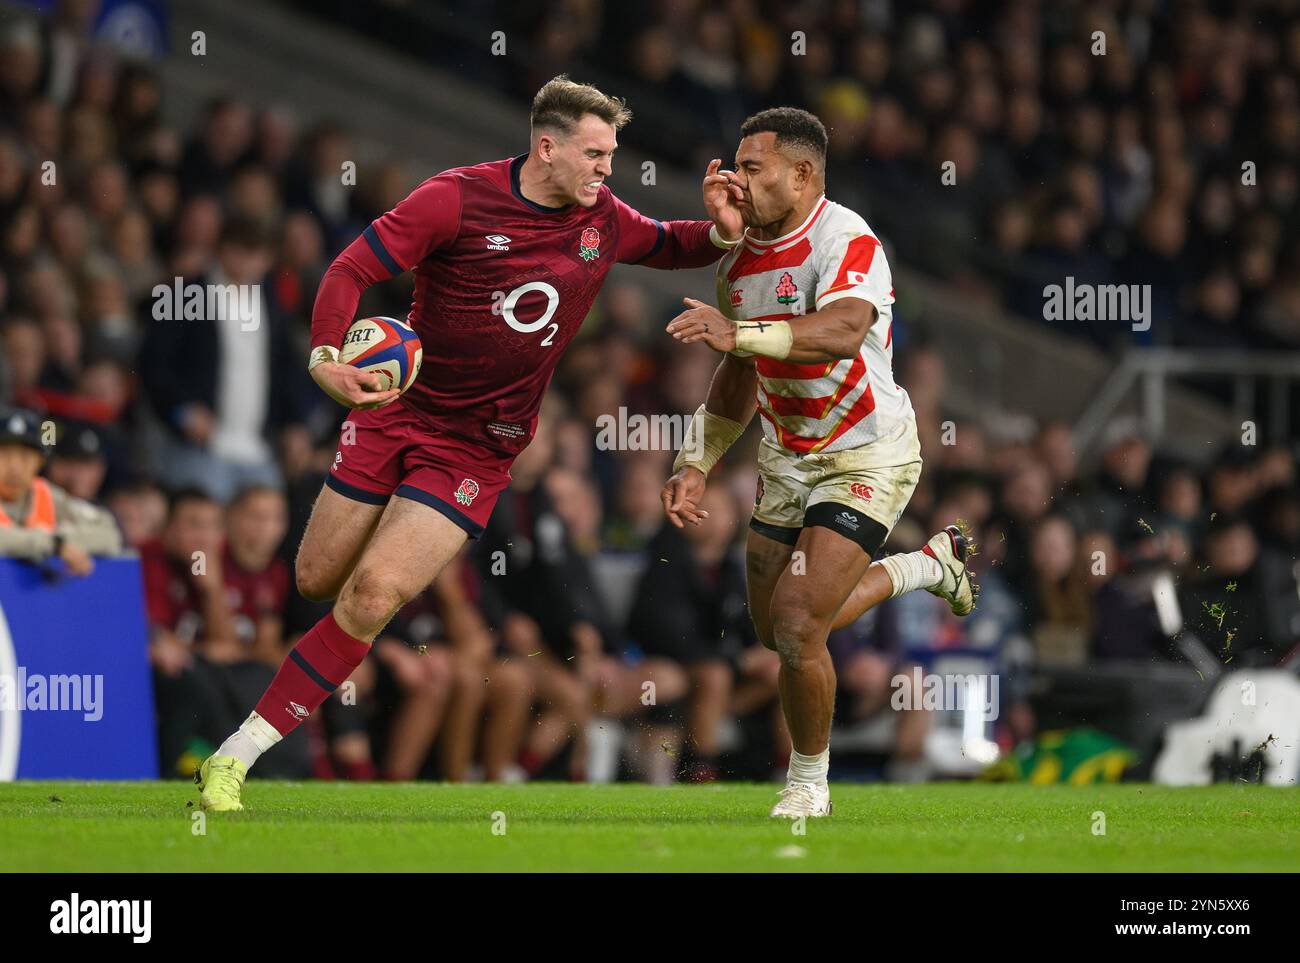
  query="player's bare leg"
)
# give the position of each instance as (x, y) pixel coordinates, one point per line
(336, 536)
(766, 560)
(411, 545)
(802, 609)
(939, 568)
(408, 550)
(873, 588)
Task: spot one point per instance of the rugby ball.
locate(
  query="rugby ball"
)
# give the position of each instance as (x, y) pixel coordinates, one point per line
(385, 347)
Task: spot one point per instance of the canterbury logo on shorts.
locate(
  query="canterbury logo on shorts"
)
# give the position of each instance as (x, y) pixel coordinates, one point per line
(861, 490)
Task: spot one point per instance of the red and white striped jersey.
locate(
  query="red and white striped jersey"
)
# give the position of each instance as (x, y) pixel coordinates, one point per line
(837, 405)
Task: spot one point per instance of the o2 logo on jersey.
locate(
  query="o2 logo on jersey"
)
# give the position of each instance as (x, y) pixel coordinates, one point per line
(507, 310)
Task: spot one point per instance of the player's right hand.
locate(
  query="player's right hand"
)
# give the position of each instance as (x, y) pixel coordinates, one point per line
(351, 386)
(681, 497)
(722, 196)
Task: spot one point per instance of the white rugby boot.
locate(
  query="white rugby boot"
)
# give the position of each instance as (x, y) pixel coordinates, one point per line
(951, 548)
(803, 799)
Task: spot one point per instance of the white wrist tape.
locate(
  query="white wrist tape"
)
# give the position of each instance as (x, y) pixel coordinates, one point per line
(707, 439)
(720, 241)
(322, 354)
(772, 339)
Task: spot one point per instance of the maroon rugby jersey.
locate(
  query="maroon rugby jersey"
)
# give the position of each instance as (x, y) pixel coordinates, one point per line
(501, 287)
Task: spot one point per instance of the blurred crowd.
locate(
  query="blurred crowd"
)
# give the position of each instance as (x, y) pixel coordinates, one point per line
(1117, 142)
(582, 637)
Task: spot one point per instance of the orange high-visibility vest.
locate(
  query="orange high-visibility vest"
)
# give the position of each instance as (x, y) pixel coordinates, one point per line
(41, 514)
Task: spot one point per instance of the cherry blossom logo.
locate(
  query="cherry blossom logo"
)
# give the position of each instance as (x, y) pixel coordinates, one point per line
(786, 290)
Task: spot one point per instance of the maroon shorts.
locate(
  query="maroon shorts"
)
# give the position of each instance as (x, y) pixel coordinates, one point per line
(394, 451)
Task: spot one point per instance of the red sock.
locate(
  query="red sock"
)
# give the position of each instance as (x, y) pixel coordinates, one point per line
(321, 662)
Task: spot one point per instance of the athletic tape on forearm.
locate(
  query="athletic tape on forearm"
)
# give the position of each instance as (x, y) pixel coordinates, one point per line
(719, 241)
(707, 439)
(322, 354)
(772, 339)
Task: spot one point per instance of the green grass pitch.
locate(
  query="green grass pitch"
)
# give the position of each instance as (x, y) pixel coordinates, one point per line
(340, 827)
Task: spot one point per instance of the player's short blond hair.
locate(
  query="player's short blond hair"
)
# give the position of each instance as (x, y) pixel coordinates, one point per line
(561, 103)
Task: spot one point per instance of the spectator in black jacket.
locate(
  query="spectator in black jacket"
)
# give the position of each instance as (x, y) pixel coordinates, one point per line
(224, 375)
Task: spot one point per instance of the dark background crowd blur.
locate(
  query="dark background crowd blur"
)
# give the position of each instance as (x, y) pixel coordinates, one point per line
(530, 656)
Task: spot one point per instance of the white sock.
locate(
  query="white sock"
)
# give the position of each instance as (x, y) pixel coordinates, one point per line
(911, 571)
(253, 737)
(811, 769)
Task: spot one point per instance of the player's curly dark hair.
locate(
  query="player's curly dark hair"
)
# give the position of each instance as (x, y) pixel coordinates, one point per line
(793, 128)
(561, 103)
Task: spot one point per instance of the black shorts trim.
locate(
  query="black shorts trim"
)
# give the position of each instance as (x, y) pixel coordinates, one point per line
(355, 493)
(857, 527)
(472, 528)
(786, 536)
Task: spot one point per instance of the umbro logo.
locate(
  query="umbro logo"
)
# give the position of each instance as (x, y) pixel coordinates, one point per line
(848, 520)
(497, 242)
(302, 712)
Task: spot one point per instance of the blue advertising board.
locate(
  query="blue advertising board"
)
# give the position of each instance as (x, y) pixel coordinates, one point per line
(76, 694)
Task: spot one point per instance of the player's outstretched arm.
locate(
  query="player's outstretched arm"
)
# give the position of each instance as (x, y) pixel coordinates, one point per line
(715, 427)
(684, 244)
(834, 332)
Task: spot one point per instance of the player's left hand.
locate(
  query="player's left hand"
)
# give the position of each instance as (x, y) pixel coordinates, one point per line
(703, 323)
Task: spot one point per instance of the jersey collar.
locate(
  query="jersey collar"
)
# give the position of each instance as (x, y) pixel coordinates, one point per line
(792, 235)
(516, 166)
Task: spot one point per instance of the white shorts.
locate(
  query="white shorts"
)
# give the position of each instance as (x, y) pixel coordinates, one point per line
(790, 485)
